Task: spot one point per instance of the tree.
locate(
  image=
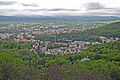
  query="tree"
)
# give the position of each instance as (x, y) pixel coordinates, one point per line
(53, 72)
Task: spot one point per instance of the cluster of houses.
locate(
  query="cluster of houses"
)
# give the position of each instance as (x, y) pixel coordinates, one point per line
(72, 48)
(5, 35)
(20, 38)
(108, 39)
(69, 48)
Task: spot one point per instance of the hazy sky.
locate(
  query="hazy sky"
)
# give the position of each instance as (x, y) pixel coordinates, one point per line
(60, 7)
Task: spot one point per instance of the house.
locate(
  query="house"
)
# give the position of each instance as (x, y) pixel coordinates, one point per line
(85, 59)
(48, 52)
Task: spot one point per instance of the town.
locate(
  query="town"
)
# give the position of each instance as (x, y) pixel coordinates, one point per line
(27, 32)
(52, 46)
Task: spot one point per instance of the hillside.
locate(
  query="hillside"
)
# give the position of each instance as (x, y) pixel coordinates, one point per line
(110, 30)
(103, 63)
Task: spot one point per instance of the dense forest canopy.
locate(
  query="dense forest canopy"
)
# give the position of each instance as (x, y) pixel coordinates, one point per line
(17, 63)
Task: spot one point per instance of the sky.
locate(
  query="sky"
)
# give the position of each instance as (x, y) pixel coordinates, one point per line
(60, 7)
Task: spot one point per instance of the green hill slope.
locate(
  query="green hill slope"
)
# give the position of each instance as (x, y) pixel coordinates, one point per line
(104, 63)
(110, 30)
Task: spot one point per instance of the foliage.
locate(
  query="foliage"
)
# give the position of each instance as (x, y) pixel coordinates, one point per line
(15, 64)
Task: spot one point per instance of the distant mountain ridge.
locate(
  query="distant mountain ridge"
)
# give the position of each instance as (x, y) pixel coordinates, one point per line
(8, 18)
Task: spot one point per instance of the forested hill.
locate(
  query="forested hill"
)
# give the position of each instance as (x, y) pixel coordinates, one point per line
(109, 30)
(97, 62)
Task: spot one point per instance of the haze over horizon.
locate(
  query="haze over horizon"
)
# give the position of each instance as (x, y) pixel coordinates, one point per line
(60, 7)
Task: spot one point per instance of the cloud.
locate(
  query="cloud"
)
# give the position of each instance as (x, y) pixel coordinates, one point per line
(55, 9)
(94, 9)
(94, 6)
(47, 7)
(61, 9)
(7, 11)
(33, 5)
(2, 3)
(116, 10)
